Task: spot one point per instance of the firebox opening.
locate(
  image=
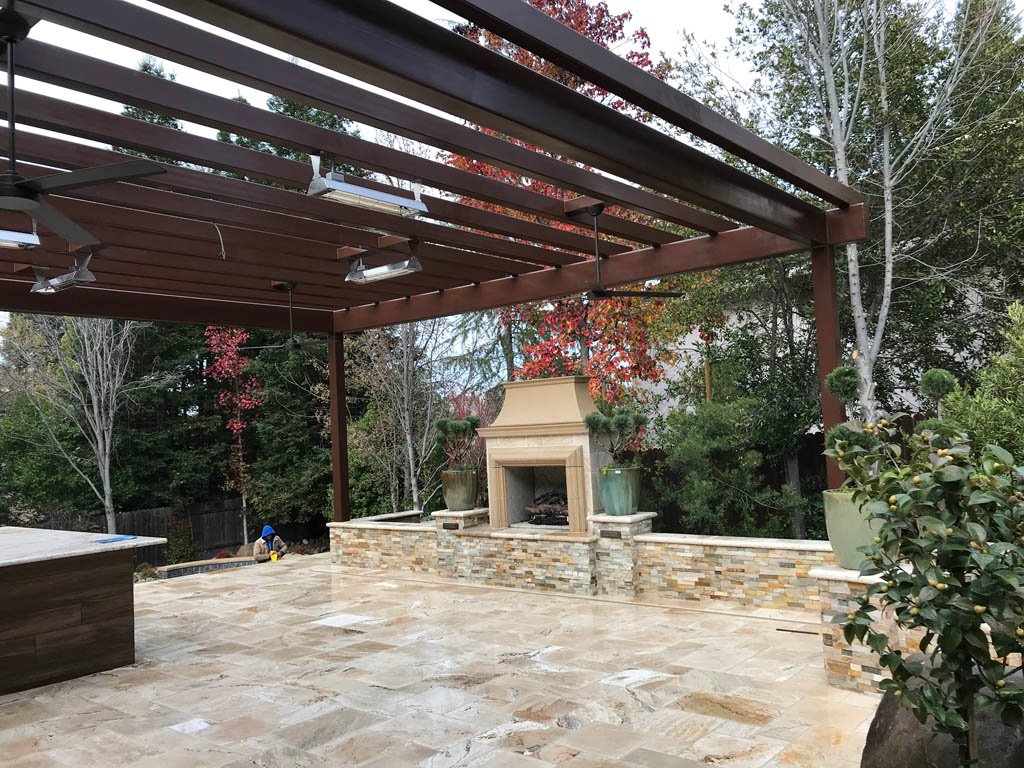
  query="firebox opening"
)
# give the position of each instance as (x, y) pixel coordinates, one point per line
(537, 496)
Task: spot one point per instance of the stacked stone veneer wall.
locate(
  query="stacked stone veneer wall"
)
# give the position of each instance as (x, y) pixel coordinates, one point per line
(765, 573)
(855, 667)
(383, 543)
(557, 562)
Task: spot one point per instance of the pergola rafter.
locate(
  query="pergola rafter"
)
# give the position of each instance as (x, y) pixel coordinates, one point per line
(208, 246)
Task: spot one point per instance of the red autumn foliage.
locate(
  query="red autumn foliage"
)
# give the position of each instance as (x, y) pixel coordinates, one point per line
(241, 396)
(609, 340)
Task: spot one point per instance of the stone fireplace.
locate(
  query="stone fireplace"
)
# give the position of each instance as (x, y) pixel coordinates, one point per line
(539, 448)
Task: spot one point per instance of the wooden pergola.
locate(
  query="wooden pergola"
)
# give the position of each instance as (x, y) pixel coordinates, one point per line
(196, 246)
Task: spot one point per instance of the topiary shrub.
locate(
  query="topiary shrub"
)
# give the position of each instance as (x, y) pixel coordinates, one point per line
(844, 383)
(935, 384)
(456, 438)
(950, 555)
(619, 433)
(850, 434)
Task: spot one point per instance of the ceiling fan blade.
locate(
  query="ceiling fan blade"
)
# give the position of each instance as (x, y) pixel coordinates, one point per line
(62, 226)
(606, 294)
(87, 177)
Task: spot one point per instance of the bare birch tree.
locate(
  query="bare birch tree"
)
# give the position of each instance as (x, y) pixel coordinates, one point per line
(846, 51)
(402, 372)
(76, 370)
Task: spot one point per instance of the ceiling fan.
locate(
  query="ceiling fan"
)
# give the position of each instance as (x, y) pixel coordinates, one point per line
(599, 292)
(291, 342)
(28, 195)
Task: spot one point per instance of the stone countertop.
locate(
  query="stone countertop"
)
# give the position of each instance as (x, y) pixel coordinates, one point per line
(32, 545)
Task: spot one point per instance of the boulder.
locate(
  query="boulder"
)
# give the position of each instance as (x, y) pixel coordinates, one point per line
(897, 740)
(244, 551)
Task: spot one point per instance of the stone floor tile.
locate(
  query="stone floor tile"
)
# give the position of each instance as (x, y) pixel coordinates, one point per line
(439, 675)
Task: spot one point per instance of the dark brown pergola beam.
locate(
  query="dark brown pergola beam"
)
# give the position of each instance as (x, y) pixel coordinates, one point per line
(444, 267)
(444, 70)
(535, 31)
(171, 40)
(88, 74)
(194, 217)
(139, 305)
(119, 276)
(84, 122)
(693, 255)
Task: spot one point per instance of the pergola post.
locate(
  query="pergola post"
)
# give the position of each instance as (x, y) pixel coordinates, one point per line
(339, 426)
(826, 319)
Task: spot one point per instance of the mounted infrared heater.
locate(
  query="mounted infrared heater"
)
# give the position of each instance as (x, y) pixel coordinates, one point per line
(334, 187)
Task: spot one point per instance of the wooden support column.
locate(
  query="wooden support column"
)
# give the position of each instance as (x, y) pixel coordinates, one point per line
(826, 318)
(339, 426)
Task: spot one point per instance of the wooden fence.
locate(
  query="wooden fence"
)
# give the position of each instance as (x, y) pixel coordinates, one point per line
(215, 526)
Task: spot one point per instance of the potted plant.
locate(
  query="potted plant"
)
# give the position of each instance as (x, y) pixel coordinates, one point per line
(459, 483)
(847, 524)
(949, 555)
(618, 482)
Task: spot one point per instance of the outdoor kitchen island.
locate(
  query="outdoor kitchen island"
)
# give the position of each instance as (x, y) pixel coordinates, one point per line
(69, 607)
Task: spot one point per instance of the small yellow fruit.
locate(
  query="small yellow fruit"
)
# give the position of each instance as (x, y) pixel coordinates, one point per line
(851, 616)
(917, 480)
(883, 588)
(1020, 631)
(871, 425)
(878, 539)
(942, 587)
(892, 499)
(943, 452)
(949, 531)
(893, 507)
(897, 693)
(1000, 683)
(914, 611)
(975, 545)
(980, 608)
(932, 582)
(883, 422)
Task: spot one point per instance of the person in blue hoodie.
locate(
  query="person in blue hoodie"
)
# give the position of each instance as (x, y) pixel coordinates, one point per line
(268, 542)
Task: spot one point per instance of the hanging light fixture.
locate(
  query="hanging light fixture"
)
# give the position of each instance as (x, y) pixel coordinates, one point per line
(359, 272)
(79, 275)
(22, 240)
(334, 187)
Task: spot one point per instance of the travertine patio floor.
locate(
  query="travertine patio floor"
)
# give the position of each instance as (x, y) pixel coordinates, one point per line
(300, 663)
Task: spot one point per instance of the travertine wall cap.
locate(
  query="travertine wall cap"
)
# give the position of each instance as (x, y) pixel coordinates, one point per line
(543, 407)
(478, 511)
(623, 519)
(741, 542)
(843, 574)
(385, 526)
(388, 517)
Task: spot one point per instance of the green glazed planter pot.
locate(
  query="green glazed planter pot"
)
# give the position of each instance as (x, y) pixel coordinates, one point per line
(620, 489)
(848, 528)
(459, 487)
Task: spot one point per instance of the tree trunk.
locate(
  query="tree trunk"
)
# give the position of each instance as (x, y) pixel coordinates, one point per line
(798, 523)
(508, 350)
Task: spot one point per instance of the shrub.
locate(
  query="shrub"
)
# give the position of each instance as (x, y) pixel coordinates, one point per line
(711, 475)
(145, 572)
(994, 411)
(950, 557)
(180, 548)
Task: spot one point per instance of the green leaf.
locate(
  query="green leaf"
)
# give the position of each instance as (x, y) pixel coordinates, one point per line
(951, 473)
(978, 532)
(1008, 577)
(1000, 454)
(950, 638)
(933, 525)
(878, 642)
